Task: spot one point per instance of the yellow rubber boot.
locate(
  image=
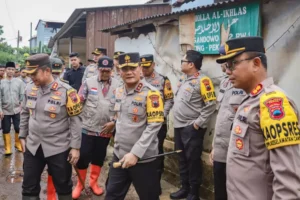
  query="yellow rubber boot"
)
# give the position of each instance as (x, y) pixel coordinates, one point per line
(18, 145)
(7, 143)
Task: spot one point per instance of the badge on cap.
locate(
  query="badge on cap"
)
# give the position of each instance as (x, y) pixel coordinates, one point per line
(143, 59)
(28, 63)
(127, 58)
(105, 62)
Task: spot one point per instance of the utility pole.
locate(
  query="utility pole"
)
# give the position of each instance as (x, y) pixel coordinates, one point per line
(30, 41)
(18, 40)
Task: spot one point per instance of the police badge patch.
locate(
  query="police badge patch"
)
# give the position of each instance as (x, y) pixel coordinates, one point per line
(154, 100)
(73, 96)
(206, 82)
(275, 107)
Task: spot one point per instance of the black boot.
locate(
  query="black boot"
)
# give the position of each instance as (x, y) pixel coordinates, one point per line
(65, 197)
(181, 193)
(194, 193)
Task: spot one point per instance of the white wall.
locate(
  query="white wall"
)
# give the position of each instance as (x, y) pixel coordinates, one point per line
(140, 44)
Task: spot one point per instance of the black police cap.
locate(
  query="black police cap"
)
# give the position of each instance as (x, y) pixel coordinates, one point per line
(146, 60)
(129, 59)
(105, 62)
(238, 46)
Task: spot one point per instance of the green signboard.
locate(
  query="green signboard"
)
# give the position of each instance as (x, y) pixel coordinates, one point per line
(215, 27)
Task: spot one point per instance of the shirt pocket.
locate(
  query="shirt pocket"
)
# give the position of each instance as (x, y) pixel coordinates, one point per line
(92, 101)
(235, 102)
(52, 108)
(240, 139)
(30, 104)
(187, 93)
(135, 114)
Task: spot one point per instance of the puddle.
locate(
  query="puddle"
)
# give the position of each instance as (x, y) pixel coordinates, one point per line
(15, 177)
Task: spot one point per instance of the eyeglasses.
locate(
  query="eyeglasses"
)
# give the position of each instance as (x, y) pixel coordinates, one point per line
(183, 61)
(230, 65)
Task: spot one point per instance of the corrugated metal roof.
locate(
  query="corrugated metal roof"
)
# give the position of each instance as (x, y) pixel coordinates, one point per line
(79, 13)
(180, 2)
(174, 13)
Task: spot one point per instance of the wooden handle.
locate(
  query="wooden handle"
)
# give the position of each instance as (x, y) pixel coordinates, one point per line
(117, 165)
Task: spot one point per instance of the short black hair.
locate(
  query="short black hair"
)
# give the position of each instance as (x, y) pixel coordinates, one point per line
(22, 68)
(195, 57)
(74, 54)
(262, 57)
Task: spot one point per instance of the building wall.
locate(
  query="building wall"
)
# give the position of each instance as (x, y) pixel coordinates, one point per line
(44, 34)
(48, 33)
(101, 19)
(40, 33)
(140, 44)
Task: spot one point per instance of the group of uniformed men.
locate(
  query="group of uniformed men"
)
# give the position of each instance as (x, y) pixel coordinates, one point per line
(256, 144)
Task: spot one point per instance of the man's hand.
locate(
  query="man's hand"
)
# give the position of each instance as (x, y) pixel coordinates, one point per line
(1, 115)
(73, 156)
(23, 143)
(108, 127)
(196, 126)
(129, 160)
(211, 157)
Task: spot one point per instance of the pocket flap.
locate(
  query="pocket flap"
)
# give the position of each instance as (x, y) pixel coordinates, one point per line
(30, 104)
(236, 100)
(52, 108)
(136, 110)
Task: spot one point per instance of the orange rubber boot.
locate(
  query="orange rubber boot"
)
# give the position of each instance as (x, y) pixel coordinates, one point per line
(51, 193)
(79, 187)
(95, 173)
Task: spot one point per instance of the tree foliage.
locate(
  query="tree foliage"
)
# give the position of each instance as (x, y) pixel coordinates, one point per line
(17, 55)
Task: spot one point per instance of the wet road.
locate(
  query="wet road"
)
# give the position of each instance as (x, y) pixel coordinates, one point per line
(11, 178)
